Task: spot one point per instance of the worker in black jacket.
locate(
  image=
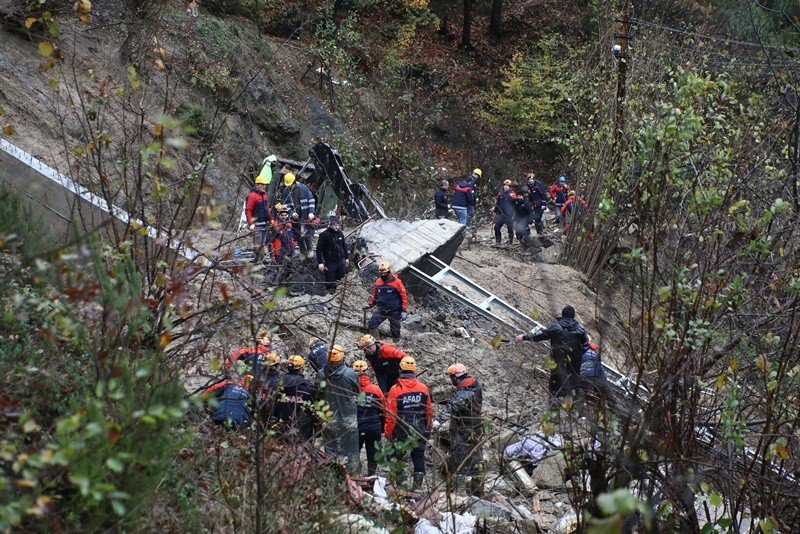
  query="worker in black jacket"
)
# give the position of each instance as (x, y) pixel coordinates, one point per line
(332, 254)
(568, 343)
(441, 201)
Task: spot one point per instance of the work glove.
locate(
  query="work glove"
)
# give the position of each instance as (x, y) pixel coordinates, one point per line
(436, 426)
(403, 316)
(321, 267)
(252, 227)
(310, 216)
(295, 217)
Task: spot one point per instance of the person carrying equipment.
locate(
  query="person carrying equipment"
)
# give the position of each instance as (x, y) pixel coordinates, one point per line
(294, 405)
(384, 358)
(340, 391)
(463, 412)
(568, 343)
(409, 416)
(258, 215)
(370, 415)
(390, 298)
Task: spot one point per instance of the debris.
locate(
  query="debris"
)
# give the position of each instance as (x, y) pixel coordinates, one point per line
(450, 524)
(521, 478)
(549, 473)
(566, 524)
(483, 508)
(357, 524)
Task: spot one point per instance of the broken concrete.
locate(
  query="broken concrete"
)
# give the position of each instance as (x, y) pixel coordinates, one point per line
(549, 473)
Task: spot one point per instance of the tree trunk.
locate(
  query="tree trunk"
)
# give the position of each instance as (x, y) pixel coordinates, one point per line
(466, 41)
(496, 19)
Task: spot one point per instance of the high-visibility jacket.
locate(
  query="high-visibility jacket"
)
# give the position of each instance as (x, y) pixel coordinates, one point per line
(409, 411)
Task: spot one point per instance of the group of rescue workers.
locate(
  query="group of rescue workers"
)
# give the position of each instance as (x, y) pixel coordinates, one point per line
(276, 393)
(516, 206)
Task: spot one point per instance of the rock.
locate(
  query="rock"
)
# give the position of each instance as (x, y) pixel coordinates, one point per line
(463, 523)
(521, 478)
(483, 508)
(545, 521)
(415, 322)
(566, 524)
(549, 473)
(461, 332)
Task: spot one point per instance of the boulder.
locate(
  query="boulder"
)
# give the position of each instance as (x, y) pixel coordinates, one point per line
(549, 473)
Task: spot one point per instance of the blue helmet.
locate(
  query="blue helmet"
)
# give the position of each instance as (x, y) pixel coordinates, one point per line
(562, 179)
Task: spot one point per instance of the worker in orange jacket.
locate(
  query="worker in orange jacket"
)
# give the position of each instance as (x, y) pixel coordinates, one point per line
(384, 358)
(409, 416)
(370, 415)
(389, 296)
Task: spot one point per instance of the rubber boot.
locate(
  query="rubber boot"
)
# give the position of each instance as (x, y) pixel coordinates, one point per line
(418, 479)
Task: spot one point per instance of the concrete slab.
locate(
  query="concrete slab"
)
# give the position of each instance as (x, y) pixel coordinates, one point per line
(403, 243)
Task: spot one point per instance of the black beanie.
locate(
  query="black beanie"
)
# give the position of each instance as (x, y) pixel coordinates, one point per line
(568, 312)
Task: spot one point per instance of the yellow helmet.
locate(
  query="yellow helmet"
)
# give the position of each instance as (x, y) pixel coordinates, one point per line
(246, 380)
(288, 178)
(280, 208)
(295, 362)
(457, 370)
(477, 172)
(408, 364)
(365, 341)
(360, 367)
(260, 179)
(272, 359)
(384, 267)
(336, 354)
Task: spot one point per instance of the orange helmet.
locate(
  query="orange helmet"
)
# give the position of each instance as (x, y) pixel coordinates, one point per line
(365, 341)
(408, 364)
(457, 370)
(272, 359)
(360, 367)
(336, 354)
(246, 380)
(296, 362)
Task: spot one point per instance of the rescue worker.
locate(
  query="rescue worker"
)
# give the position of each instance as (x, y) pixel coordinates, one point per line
(573, 209)
(390, 298)
(280, 243)
(473, 181)
(370, 415)
(332, 254)
(537, 193)
(341, 391)
(250, 355)
(384, 358)
(317, 353)
(568, 343)
(593, 381)
(558, 196)
(409, 416)
(463, 199)
(441, 201)
(300, 200)
(270, 389)
(233, 409)
(504, 213)
(258, 215)
(294, 404)
(463, 411)
(523, 214)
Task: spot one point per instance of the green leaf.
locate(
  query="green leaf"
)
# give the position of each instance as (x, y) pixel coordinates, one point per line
(715, 499)
(46, 49)
(115, 465)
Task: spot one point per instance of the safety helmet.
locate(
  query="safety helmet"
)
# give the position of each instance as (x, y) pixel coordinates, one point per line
(408, 364)
(272, 359)
(365, 341)
(562, 179)
(280, 208)
(384, 267)
(295, 362)
(477, 172)
(313, 341)
(506, 182)
(457, 370)
(336, 354)
(261, 180)
(246, 380)
(264, 338)
(571, 193)
(288, 178)
(360, 367)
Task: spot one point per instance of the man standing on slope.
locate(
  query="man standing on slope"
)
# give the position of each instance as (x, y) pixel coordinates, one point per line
(441, 202)
(258, 215)
(298, 197)
(389, 296)
(340, 391)
(384, 358)
(332, 254)
(568, 343)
